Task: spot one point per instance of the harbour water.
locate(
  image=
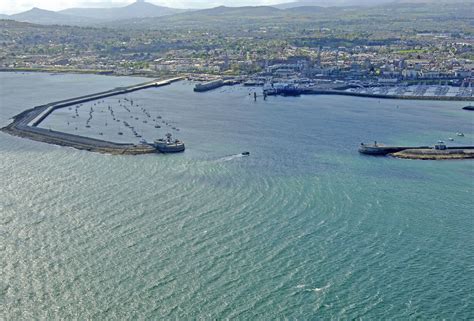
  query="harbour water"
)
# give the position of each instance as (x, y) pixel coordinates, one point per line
(305, 227)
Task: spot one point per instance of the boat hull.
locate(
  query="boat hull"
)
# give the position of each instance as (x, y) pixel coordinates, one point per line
(174, 148)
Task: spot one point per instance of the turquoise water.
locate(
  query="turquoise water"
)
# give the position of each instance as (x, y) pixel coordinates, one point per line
(303, 228)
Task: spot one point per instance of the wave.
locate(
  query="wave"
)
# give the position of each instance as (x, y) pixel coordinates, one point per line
(230, 157)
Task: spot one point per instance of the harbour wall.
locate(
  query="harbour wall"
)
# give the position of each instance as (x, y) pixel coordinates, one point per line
(214, 84)
(347, 93)
(419, 152)
(25, 123)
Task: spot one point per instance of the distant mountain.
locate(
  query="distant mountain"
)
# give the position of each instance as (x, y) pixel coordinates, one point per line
(308, 9)
(221, 15)
(47, 17)
(236, 11)
(139, 9)
(329, 3)
(348, 3)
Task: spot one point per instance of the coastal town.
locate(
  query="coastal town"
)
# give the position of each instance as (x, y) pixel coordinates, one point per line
(392, 61)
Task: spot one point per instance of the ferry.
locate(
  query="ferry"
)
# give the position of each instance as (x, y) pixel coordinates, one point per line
(382, 150)
(169, 145)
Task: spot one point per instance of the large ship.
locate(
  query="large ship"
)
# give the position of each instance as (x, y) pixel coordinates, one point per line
(382, 150)
(169, 145)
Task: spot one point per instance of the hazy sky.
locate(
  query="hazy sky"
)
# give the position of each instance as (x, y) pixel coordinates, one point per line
(15, 6)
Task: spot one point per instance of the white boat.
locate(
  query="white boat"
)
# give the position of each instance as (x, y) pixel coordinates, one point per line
(168, 145)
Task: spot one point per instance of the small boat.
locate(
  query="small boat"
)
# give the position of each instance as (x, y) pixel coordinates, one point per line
(245, 153)
(88, 126)
(451, 139)
(157, 126)
(120, 133)
(143, 141)
(460, 134)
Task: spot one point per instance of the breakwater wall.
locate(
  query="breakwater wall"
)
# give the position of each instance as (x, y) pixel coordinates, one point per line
(25, 123)
(419, 152)
(311, 91)
(214, 84)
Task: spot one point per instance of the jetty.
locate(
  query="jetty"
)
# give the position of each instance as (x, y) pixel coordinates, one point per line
(296, 91)
(26, 123)
(436, 152)
(214, 84)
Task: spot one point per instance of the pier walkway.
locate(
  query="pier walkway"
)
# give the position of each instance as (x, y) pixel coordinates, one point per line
(26, 123)
(317, 91)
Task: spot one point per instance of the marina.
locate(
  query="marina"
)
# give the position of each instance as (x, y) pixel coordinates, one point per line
(28, 123)
(412, 92)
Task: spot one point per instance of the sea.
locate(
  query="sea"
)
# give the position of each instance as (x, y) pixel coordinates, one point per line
(303, 228)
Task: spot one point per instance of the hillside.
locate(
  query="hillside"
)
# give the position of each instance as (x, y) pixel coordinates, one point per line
(40, 16)
(135, 10)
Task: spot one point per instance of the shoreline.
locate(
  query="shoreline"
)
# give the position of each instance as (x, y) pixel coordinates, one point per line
(298, 92)
(84, 72)
(365, 95)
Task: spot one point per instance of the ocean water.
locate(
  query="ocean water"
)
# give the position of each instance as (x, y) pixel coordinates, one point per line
(303, 228)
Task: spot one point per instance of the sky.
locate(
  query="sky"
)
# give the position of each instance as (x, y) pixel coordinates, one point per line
(15, 6)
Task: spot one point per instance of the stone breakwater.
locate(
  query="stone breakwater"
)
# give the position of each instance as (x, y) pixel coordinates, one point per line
(421, 152)
(26, 123)
(433, 154)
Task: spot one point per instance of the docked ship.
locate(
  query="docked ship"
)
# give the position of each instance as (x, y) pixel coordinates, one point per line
(382, 150)
(377, 149)
(213, 84)
(169, 145)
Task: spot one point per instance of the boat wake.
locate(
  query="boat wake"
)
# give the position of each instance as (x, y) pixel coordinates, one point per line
(231, 157)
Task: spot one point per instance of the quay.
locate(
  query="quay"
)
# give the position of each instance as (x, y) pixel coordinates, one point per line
(316, 91)
(214, 84)
(439, 151)
(26, 123)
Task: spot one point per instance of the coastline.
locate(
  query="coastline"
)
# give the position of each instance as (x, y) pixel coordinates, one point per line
(73, 71)
(378, 96)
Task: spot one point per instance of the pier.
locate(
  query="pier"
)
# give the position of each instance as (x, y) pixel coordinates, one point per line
(316, 91)
(26, 123)
(439, 151)
(214, 84)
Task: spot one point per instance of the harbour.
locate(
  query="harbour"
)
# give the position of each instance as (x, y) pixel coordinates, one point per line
(26, 124)
(378, 93)
(178, 232)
